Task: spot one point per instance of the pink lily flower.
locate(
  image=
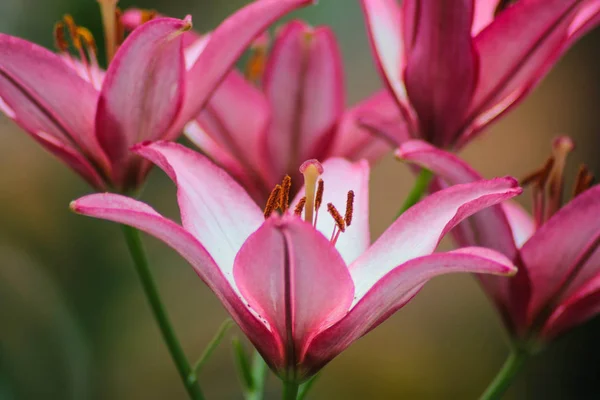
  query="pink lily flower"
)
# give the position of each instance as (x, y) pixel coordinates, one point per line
(558, 283)
(456, 66)
(152, 87)
(304, 285)
(259, 128)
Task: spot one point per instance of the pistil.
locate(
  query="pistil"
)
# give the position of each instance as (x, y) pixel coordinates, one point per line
(560, 150)
(108, 9)
(311, 170)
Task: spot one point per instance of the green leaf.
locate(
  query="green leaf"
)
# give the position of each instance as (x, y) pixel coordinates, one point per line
(212, 345)
(243, 365)
(305, 387)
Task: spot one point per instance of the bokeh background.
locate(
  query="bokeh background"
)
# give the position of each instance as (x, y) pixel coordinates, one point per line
(75, 325)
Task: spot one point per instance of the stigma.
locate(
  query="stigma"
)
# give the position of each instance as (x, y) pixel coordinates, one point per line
(311, 202)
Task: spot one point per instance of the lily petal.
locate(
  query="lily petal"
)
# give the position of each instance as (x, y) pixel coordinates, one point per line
(45, 94)
(488, 228)
(235, 119)
(483, 14)
(339, 176)
(441, 70)
(521, 222)
(72, 158)
(395, 289)
(514, 49)
(368, 129)
(383, 19)
(131, 212)
(226, 45)
(581, 306)
(214, 208)
(143, 88)
(304, 85)
(418, 231)
(280, 272)
(552, 257)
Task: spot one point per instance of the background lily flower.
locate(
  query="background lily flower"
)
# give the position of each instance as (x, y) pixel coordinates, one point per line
(151, 88)
(260, 128)
(304, 285)
(556, 251)
(455, 66)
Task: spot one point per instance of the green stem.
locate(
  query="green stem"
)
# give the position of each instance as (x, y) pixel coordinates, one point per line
(505, 376)
(190, 381)
(259, 371)
(417, 191)
(290, 391)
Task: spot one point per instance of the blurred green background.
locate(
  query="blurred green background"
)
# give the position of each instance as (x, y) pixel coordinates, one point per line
(75, 325)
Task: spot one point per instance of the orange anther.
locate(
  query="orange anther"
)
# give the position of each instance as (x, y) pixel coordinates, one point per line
(319, 195)
(286, 185)
(59, 37)
(300, 206)
(87, 37)
(583, 181)
(349, 208)
(273, 201)
(337, 217)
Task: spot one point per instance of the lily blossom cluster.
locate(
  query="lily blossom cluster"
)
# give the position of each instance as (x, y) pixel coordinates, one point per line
(153, 86)
(556, 249)
(456, 66)
(288, 107)
(301, 283)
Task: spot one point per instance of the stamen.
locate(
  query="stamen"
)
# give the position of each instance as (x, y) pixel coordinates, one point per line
(273, 201)
(72, 27)
(319, 199)
(349, 208)
(286, 185)
(86, 37)
(583, 181)
(319, 196)
(311, 169)
(255, 67)
(538, 176)
(300, 207)
(337, 217)
(108, 11)
(60, 41)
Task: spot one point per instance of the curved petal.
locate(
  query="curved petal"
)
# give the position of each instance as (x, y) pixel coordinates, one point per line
(236, 119)
(488, 228)
(367, 129)
(339, 176)
(521, 222)
(418, 231)
(225, 46)
(45, 94)
(72, 158)
(483, 14)
(142, 90)
(293, 277)
(560, 248)
(131, 212)
(514, 49)
(580, 307)
(214, 208)
(394, 290)
(383, 19)
(441, 70)
(304, 85)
